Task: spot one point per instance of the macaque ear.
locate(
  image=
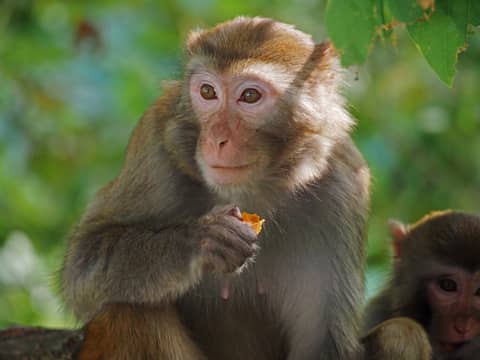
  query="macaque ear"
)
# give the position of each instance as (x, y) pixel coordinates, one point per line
(329, 64)
(329, 53)
(192, 40)
(398, 231)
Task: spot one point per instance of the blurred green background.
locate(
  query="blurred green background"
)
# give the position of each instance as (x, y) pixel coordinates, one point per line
(76, 76)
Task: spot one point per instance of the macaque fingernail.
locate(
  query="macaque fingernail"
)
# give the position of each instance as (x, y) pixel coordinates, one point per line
(260, 289)
(236, 212)
(225, 293)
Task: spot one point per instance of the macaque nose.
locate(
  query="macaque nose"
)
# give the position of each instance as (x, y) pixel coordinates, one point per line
(464, 325)
(222, 143)
(219, 136)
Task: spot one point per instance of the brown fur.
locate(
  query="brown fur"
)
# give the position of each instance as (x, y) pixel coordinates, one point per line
(444, 237)
(119, 328)
(140, 240)
(255, 39)
(441, 234)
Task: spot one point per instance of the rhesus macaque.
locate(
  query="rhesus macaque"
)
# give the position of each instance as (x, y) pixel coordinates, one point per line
(157, 266)
(436, 282)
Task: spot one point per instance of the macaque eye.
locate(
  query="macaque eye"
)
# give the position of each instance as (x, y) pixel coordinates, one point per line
(208, 92)
(250, 96)
(448, 285)
(477, 293)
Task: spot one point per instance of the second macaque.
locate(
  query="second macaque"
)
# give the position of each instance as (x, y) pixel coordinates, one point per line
(436, 282)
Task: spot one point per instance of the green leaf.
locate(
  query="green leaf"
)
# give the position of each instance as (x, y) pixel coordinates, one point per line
(459, 11)
(440, 37)
(406, 10)
(474, 12)
(351, 26)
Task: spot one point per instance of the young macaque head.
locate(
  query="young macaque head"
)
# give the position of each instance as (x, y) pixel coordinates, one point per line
(262, 99)
(440, 258)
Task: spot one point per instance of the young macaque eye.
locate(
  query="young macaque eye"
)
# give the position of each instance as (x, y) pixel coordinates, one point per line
(447, 284)
(250, 96)
(208, 92)
(477, 293)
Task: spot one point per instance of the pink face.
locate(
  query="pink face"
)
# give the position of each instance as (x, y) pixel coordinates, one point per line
(230, 109)
(454, 298)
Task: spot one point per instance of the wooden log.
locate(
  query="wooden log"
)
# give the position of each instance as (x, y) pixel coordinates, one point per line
(31, 343)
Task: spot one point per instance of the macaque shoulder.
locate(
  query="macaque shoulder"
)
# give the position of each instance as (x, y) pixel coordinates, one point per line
(149, 133)
(347, 156)
(151, 183)
(349, 175)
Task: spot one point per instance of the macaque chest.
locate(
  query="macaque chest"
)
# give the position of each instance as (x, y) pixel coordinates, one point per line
(216, 318)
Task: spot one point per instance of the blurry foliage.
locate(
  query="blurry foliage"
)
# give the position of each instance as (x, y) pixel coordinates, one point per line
(76, 76)
(439, 28)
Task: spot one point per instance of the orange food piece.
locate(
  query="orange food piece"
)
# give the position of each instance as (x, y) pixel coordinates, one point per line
(253, 220)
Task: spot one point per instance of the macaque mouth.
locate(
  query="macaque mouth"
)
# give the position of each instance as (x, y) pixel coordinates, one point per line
(230, 168)
(229, 175)
(452, 346)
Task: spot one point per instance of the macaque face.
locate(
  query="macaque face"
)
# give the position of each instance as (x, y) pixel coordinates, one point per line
(230, 108)
(454, 298)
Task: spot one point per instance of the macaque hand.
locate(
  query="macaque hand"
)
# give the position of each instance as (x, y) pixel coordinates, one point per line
(227, 243)
(468, 351)
(398, 338)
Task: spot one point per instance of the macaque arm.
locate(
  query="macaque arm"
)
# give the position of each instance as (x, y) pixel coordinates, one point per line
(130, 245)
(339, 275)
(126, 263)
(347, 240)
(341, 312)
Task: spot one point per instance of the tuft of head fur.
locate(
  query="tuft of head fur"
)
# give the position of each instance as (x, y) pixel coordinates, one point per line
(259, 39)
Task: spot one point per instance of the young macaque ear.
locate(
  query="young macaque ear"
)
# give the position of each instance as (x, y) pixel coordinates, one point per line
(398, 231)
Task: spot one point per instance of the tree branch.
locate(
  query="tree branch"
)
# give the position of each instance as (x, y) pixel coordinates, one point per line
(39, 343)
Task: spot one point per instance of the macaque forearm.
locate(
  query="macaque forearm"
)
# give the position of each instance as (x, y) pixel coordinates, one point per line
(128, 264)
(141, 264)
